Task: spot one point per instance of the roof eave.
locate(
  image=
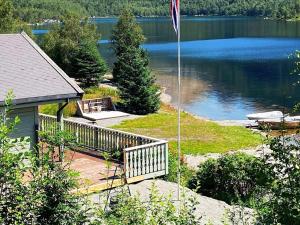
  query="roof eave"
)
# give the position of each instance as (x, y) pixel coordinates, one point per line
(44, 100)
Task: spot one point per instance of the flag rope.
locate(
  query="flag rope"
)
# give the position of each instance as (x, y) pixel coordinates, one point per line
(175, 14)
(179, 102)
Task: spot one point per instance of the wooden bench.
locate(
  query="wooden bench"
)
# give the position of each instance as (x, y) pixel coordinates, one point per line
(96, 105)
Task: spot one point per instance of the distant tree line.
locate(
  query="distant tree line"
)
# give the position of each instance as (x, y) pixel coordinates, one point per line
(36, 10)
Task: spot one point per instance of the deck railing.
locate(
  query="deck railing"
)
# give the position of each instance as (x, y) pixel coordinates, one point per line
(143, 157)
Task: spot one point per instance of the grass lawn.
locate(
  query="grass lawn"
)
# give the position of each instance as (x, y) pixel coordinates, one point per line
(198, 136)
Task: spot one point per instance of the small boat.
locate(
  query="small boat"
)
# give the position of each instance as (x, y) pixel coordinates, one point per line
(288, 122)
(265, 115)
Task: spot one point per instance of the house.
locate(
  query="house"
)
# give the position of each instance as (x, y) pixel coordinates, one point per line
(34, 79)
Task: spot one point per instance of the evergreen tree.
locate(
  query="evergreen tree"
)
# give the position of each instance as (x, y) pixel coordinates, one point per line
(89, 66)
(138, 91)
(72, 45)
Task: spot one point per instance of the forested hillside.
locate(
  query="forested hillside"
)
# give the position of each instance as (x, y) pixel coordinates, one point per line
(35, 10)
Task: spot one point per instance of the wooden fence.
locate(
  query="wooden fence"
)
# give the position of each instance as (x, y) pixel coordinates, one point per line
(143, 157)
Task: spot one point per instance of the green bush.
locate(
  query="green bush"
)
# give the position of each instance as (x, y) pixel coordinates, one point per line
(36, 189)
(158, 209)
(186, 173)
(280, 203)
(231, 178)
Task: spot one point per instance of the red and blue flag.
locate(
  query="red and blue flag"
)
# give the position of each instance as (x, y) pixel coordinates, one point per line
(174, 8)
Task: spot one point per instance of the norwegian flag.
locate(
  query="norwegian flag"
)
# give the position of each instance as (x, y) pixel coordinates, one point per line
(174, 8)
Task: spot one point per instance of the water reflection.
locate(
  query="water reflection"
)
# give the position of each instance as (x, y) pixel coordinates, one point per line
(231, 66)
(192, 89)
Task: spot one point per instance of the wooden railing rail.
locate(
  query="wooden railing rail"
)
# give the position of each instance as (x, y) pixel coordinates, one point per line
(95, 137)
(143, 156)
(146, 159)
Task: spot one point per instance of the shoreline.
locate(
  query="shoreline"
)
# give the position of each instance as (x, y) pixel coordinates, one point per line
(167, 100)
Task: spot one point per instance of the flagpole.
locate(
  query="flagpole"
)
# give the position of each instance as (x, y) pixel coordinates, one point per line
(179, 102)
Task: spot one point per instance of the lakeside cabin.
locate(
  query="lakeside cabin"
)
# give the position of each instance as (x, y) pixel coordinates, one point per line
(35, 80)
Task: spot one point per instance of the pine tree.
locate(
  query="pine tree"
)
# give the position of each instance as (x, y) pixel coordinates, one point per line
(89, 67)
(138, 92)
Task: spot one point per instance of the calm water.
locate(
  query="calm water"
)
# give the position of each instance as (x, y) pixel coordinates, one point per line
(230, 66)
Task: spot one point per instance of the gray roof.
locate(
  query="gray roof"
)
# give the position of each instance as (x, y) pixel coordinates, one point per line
(31, 74)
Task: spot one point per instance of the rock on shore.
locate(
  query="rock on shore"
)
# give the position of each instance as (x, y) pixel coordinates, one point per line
(211, 211)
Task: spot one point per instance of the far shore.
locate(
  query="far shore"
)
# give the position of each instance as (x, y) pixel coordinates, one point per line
(54, 21)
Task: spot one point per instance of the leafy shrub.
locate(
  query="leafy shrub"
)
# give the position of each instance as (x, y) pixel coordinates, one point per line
(231, 178)
(14, 201)
(281, 201)
(35, 189)
(186, 173)
(158, 209)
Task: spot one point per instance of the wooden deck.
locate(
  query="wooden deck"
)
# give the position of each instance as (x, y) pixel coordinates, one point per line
(142, 157)
(95, 173)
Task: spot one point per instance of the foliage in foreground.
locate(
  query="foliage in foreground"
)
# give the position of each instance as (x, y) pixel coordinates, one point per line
(73, 46)
(198, 136)
(158, 209)
(136, 83)
(34, 189)
(281, 202)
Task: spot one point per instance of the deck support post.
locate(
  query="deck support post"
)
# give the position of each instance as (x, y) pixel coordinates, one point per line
(37, 129)
(60, 123)
(96, 139)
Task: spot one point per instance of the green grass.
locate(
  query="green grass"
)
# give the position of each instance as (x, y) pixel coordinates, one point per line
(96, 92)
(90, 93)
(198, 136)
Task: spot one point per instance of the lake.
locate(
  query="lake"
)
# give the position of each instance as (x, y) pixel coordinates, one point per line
(231, 66)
